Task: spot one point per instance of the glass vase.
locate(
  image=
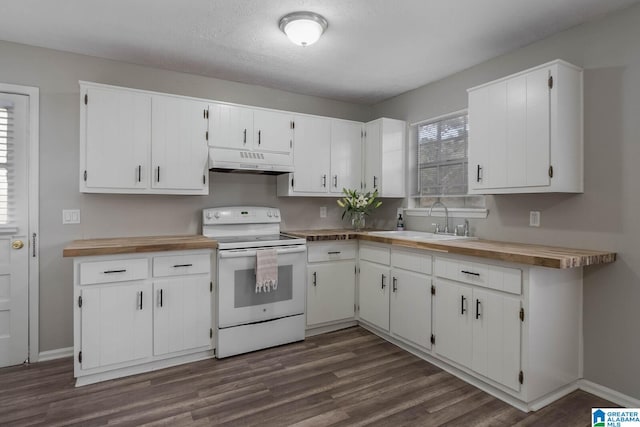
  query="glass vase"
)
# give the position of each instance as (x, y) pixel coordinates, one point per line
(357, 221)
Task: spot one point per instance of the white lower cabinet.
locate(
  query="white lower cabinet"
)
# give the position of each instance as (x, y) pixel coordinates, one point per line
(510, 329)
(331, 282)
(116, 324)
(136, 313)
(180, 310)
(395, 292)
(374, 294)
(478, 329)
(410, 311)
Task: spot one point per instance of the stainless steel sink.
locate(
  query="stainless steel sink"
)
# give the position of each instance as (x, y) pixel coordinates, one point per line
(419, 236)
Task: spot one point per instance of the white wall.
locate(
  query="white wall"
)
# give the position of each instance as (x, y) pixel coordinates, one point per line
(606, 216)
(57, 74)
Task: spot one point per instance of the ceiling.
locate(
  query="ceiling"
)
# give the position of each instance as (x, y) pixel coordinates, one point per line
(372, 50)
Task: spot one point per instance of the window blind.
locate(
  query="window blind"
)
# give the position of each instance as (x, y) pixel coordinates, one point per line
(442, 156)
(6, 165)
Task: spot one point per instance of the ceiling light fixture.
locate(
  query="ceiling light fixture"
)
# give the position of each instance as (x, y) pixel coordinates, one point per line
(303, 28)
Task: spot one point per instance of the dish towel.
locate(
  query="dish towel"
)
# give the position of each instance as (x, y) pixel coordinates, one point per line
(266, 270)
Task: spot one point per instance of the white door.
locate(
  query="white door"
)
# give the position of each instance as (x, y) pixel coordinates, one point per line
(14, 237)
(272, 131)
(116, 324)
(311, 158)
(346, 154)
(118, 137)
(496, 337)
(230, 126)
(330, 292)
(411, 306)
(374, 294)
(372, 159)
(182, 314)
(452, 308)
(179, 151)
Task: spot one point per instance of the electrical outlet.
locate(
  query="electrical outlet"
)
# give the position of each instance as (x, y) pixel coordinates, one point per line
(323, 211)
(71, 216)
(534, 219)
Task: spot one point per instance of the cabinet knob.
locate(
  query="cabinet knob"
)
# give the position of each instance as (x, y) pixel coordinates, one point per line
(17, 244)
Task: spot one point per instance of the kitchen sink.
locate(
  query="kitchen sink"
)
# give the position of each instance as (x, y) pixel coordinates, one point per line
(418, 236)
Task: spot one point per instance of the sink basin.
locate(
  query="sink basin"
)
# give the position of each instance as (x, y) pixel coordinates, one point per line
(418, 236)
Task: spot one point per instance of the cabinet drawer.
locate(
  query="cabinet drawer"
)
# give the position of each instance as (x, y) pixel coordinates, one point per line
(378, 254)
(412, 261)
(180, 265)
(331, 251)
(485, 275)
(113, 271)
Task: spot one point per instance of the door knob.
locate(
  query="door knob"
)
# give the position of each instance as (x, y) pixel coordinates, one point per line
(17, 244)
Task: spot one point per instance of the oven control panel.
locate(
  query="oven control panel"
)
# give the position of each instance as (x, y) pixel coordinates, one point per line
(240, 215)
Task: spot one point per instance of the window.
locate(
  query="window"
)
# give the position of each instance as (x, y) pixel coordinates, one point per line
(442, 156)
(5, 163)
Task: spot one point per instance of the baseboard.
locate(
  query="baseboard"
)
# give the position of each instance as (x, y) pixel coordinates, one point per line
(609, 394)
(58, 353)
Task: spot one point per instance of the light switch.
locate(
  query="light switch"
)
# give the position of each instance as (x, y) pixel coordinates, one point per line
(323, 211)
(534, 219)
(71, 216)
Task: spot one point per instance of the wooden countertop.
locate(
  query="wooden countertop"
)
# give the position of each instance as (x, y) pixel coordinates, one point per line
(128, 245)
(522, 253)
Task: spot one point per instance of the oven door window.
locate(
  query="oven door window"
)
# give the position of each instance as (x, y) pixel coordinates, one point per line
(244, 285)
(238, 301)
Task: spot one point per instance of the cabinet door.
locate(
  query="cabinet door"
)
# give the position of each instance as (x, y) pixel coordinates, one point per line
(374, 294)
(411, 306)
(117, 139)
(115, 324)
(312, 154)
(392, 172)
(230, 126)
(273, 131)
(179, 150)
(182, 314)
(330, 292)
(346, 155)
(537, 156)
(452, 322)
(496, 337)
(487, 149)
(372, 159)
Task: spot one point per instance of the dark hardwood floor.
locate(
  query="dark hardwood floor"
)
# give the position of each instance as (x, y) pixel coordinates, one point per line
(345, 378)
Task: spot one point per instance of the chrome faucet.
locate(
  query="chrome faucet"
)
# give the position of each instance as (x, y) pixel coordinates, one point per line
(446, 215)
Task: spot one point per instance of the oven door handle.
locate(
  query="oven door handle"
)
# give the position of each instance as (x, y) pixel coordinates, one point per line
(239, 253)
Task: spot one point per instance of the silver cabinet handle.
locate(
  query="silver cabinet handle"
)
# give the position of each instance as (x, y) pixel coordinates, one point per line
(324, 180)
(315, 278)
(375, 182)
(335, 181)
(395, 284)
(244, 140)
(140, 296)
(382, 282)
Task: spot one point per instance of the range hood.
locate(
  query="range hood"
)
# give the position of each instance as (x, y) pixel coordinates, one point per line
(246, 161)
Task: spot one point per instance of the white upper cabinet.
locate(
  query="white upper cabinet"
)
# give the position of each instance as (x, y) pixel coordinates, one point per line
(178, 144)
(230, 126)
(140, 142)
(525, 132)
(346, 155)
(312, 154)
(327, 157)
(273, 131)
(115, 135)
(384, 165)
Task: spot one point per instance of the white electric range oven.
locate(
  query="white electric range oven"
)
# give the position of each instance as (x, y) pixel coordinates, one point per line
(248, 320)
